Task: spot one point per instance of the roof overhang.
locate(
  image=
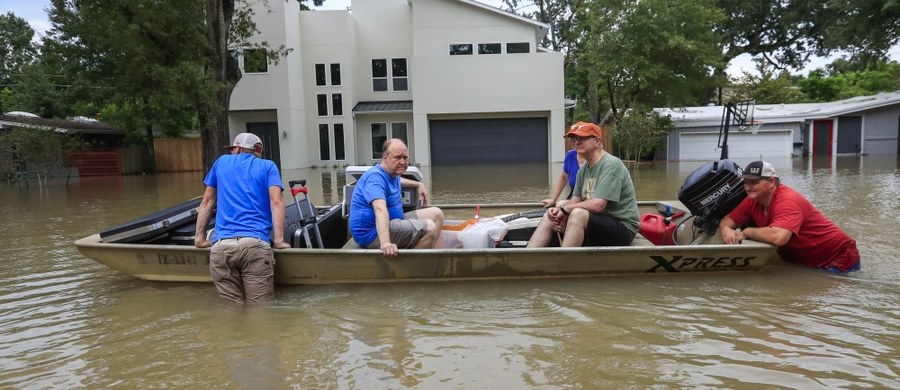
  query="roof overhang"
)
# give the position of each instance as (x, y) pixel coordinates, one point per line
(383, 107)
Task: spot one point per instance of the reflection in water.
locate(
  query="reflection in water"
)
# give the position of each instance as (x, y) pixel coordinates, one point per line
(66, 321)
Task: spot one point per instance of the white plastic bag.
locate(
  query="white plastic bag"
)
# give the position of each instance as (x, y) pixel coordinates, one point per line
(483, 234)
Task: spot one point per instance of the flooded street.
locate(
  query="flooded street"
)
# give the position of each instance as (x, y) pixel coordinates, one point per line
(67, 321)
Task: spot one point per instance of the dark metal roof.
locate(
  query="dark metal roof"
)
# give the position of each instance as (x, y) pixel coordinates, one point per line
(59, 124)
(385, 106)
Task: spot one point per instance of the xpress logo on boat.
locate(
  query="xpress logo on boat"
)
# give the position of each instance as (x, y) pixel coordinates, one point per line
(680, 263)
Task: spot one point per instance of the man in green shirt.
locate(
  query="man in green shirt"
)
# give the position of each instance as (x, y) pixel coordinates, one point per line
(603, 210)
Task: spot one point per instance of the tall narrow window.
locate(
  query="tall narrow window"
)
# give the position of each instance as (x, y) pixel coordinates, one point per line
(324, 143)
(337, 104)
(398, 74)
(320, 74)
(322, 104)
(255, 61)
(339, 153)
(379, 135)
(379, 75)
(398, 130)
(335, 74)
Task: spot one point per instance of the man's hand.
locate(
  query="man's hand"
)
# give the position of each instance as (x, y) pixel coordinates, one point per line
(390, 250)
(423, 194)
(558, 217)
(202, 243)
(732, 236)
(282, 245)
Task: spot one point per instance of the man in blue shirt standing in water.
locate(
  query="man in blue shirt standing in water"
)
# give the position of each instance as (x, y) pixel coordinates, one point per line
(245, 190)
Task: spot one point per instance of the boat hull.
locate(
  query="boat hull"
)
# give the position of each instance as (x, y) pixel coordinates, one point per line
(179, 263)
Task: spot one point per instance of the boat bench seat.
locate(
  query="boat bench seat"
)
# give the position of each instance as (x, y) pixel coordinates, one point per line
(351, 244)
(639, 240)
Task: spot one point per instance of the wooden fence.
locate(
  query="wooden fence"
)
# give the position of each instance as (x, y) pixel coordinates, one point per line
(178, 154)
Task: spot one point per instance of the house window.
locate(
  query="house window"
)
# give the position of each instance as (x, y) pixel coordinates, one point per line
(488, 48)
(398, 130)
(398, 74)
(335, 74)
(320, 74)
(331, 139)
(324, 143)
(379, 75)
(518, 47)
(380, 133)
(255, 61)
(322, 104)
(339, 153)
(337, 105)
(461, 49)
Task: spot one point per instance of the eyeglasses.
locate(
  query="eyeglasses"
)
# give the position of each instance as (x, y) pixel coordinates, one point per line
(573, 138)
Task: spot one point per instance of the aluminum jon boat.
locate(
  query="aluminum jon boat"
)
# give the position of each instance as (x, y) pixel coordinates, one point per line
(673, 239)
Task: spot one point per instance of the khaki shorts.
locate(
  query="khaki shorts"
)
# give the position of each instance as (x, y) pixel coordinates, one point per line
(243, 269)
(406, 232)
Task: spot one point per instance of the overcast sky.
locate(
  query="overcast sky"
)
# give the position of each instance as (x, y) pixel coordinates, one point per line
(34, 12)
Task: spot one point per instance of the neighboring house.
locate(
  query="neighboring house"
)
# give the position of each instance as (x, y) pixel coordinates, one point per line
(104, 158)
(460, 81)
(859, 125)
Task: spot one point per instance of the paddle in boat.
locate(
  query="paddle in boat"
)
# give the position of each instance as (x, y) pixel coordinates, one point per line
(676, 236)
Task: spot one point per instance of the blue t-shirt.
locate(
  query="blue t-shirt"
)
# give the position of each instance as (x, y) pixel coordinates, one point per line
(242, 184)
(570, 167)
(375, 183)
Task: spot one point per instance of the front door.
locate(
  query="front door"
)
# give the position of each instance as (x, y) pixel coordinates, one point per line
(268, 133)
(822, 138)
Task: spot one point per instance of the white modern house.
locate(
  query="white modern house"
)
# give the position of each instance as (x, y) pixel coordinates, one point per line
(460, 81)
(859, 125)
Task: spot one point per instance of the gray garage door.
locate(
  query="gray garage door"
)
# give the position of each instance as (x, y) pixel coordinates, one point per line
(488, 141)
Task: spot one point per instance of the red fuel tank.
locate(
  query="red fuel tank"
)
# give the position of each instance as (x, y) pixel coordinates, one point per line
(654, 229)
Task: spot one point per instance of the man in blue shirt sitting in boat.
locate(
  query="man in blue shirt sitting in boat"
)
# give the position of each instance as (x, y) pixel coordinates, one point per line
(376, 208)
(245, 190)
(603, 209)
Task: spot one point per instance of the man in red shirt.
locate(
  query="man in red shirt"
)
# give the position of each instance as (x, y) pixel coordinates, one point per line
(781, 216)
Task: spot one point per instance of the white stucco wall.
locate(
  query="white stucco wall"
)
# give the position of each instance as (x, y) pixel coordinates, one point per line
(502, 85)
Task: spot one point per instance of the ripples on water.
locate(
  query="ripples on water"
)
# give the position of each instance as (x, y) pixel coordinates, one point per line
(66, 321)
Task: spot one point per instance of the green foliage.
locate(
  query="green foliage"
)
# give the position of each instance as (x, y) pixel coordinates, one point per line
(16, 48)
(845, 81)
(639, 132)
(768, 86)
(42, 148)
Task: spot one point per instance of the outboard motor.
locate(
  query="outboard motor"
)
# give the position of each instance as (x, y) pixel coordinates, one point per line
(711, 192)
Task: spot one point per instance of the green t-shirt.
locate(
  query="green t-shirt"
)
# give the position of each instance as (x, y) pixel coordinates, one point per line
(609, 179)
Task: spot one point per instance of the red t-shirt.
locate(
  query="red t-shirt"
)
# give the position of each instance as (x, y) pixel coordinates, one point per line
(816, 241)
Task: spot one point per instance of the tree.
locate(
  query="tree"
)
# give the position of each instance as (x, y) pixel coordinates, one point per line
(228, 32)
(640, 132)
(17, 52)
(138, 54)
(770, 86)
(843, 80)
(785, 33)
(651, 53)
(16, 48)
(41, 148)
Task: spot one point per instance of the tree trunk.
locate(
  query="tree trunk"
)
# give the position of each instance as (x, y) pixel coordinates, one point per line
(224, 74)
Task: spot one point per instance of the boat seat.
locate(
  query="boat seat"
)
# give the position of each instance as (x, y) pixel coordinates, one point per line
(351, 244)
(639, 240)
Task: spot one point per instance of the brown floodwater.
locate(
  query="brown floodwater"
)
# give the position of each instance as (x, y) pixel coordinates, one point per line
(66, 321)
